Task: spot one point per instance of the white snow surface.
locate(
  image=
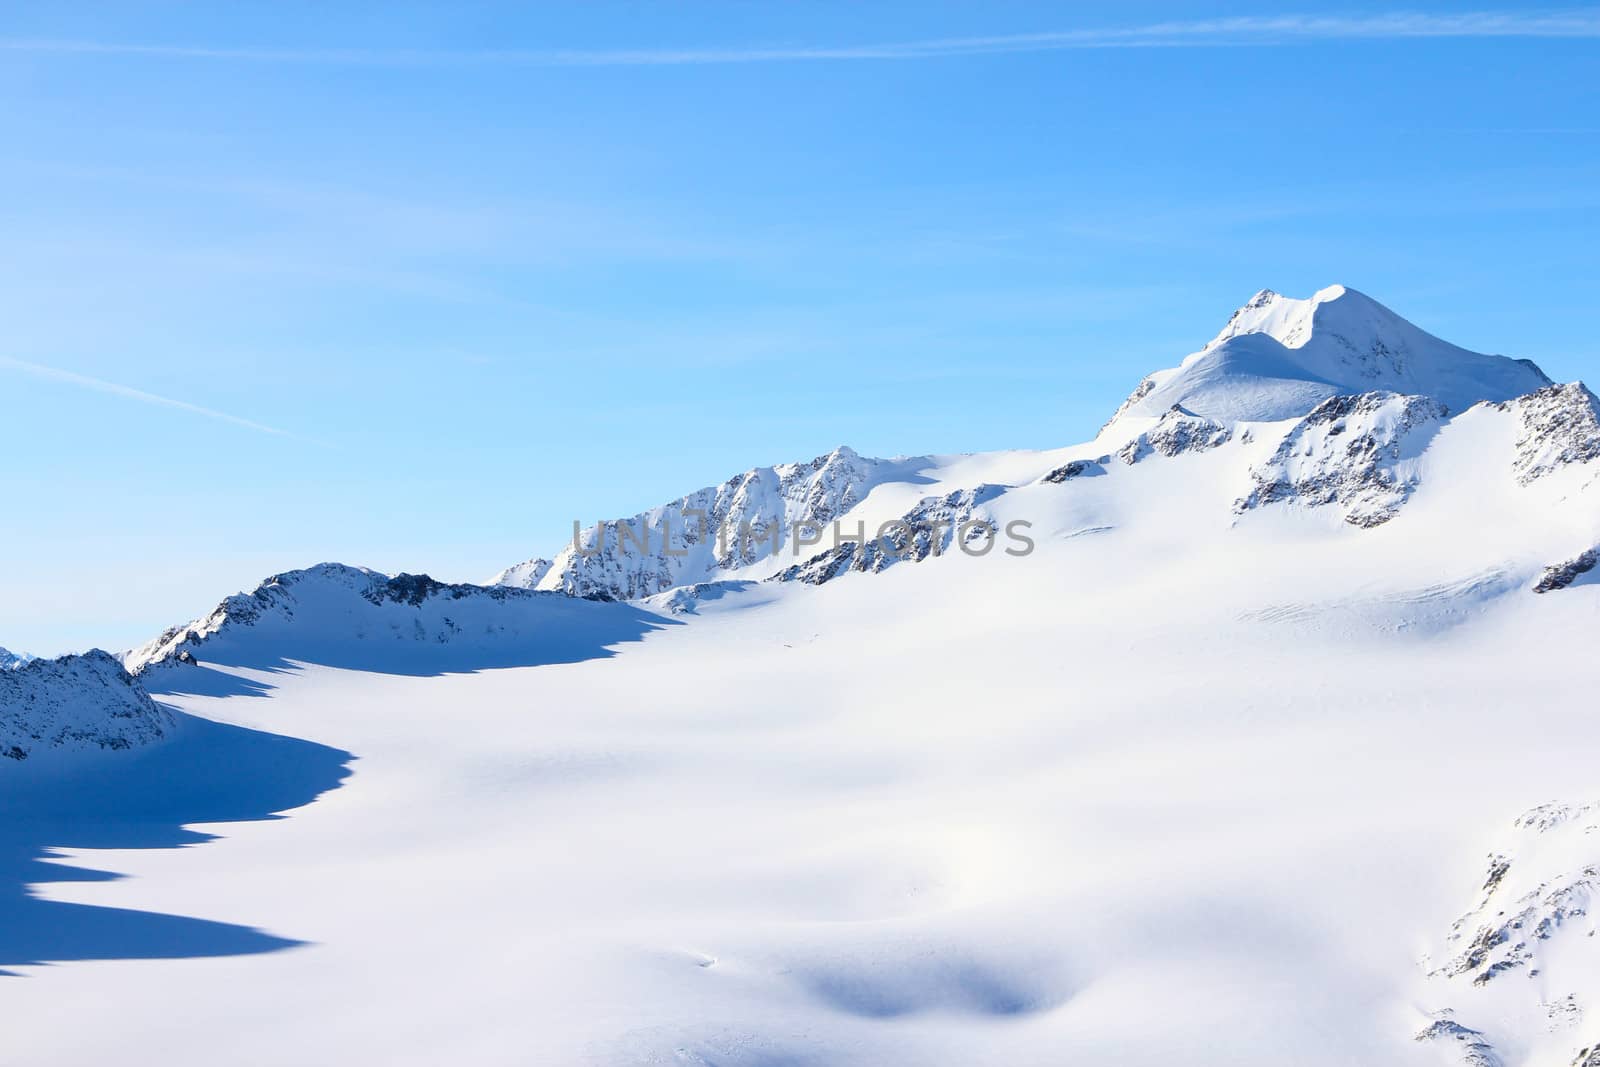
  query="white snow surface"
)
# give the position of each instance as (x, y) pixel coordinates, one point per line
(1189, 782)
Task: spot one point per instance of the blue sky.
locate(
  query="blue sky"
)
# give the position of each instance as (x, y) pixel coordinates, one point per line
(413, 286)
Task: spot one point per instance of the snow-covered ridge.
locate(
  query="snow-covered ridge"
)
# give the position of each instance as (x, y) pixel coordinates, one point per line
(78, 702)
(1351, 393)
(10, 659)
(1278, 358)
(334, 603)
(1356, 454)
(525, 575)
(711, 534)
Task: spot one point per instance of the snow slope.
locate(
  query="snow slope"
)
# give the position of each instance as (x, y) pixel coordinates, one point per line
(1221, 771)
(1158, 787)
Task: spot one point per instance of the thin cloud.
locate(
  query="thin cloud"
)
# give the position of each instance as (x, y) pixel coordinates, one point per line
(55, 374)
(1243, 31)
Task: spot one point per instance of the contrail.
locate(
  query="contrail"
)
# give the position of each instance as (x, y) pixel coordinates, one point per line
(1243, 31)
(55, 374)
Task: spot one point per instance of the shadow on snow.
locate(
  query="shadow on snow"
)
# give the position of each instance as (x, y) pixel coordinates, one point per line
(211, 772)
(207, 772)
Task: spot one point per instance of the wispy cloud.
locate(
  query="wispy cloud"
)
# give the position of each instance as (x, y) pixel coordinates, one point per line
(1239, 31)
(83, 381)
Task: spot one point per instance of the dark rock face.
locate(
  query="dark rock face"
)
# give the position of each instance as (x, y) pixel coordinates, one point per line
(84, 701)
(1560, 426)
(1177, 432)
(1474, 1048)
(1561, 575)
(929, 529)
(413, 589)
(826, 566)
(1078, 468)
(1346, 454)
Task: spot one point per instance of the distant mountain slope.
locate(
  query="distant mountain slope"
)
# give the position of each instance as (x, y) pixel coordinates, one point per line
(712, 533)
(79, 702)
(340, 615)
(1278, 358)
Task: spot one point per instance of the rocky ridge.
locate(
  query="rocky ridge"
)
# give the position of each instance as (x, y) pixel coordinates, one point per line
(75, 703)
(708, 534)
(350, 602)
(1349, 453)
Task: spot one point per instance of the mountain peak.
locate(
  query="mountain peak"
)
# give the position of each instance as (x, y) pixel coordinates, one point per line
(1278, 357)
(1292, 321)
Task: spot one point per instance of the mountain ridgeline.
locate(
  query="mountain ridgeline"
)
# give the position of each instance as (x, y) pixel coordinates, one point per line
(1326, 410)
(1347, 394)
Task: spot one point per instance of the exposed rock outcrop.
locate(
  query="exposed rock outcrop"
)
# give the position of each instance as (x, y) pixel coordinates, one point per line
(1560, 426)
(1177, 432)
(1561, 575)
(936, 525)
(1351, 453)
(77, 702)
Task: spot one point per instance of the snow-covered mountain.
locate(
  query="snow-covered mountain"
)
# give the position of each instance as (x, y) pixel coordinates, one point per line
(73, 703)
(1192, 736)
(1278, 357)
(9, 659)
(1341, 420)
(1330, 403)
(340, 615)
